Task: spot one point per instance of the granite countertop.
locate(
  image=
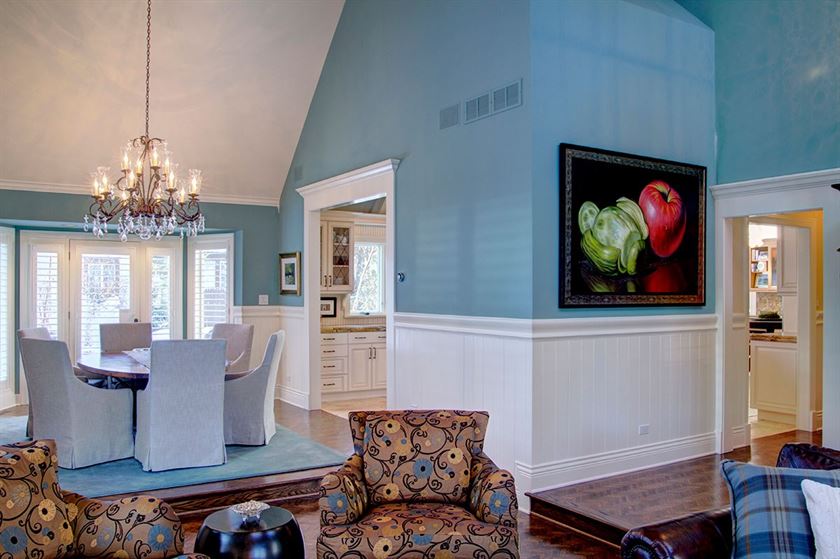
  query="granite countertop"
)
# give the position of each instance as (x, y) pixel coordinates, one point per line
(344, 329)
(773, 338)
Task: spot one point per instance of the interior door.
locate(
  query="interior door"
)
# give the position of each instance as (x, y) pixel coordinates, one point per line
(105, 279)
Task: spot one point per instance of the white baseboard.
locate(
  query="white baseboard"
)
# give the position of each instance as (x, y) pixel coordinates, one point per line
(353, 395)
(292, 396)
(551, 475)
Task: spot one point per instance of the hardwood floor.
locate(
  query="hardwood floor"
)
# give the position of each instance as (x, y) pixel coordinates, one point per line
(608, 507)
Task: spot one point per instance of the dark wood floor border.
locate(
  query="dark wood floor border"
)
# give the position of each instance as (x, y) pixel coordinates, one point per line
(585, 525)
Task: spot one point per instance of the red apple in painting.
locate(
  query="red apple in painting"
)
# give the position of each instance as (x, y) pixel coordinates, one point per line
(664, 214)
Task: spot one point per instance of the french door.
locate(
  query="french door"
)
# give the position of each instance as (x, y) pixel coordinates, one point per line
(123, 282)
(7, 317)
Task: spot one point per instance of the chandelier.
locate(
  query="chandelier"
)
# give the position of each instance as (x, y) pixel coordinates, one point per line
(150, 199)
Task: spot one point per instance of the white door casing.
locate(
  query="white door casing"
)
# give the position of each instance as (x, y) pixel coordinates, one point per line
(367, 183)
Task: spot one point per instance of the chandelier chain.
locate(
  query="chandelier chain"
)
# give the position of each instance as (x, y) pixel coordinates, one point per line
(148, 58)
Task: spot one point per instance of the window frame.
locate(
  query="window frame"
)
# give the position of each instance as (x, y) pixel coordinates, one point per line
(208, 242)
(7, 386)
(360, 238)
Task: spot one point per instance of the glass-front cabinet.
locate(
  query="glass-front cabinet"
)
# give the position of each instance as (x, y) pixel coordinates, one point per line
(336, 257)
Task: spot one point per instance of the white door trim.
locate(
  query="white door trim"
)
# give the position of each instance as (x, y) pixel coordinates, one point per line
(790, 193)
(366, 183)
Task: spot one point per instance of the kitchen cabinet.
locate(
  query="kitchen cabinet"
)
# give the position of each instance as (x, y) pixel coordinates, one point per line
(773, 379)
(337, 247)
(353, 362)
(763, 268)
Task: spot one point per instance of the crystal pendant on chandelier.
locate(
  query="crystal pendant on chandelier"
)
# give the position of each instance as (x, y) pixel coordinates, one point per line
(149, 199)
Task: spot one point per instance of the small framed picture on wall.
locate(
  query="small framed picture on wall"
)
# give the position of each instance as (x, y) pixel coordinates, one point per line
(328, 307)
(290, 273)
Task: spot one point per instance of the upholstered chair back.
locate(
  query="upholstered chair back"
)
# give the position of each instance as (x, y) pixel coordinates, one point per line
(418, 455)
(240, 338)
(49, 378)
(124, 336)
(36, 333)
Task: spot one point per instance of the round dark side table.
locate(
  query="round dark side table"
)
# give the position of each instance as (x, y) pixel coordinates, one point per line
(276, 536)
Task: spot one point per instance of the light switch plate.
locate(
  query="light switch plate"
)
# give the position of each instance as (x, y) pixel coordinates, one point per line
(263, 299)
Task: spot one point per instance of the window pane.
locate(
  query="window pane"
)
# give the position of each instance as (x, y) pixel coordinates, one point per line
(368, 295)
(106, 285)
(161, 297)
(46, 291)
(211, 289)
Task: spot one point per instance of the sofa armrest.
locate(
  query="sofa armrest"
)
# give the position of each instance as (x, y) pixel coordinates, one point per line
(343, 497)
(492, 493)
(808, 456)
(706, 535)
(142, 527)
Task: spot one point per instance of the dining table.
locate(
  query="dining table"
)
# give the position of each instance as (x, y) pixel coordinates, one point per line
(122, 369)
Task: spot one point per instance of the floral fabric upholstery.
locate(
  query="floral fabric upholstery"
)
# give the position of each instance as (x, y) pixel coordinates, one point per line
(141, 526)
(33, 517)
(476, 520)
(419, 456)
(344, 496)
(416, 530)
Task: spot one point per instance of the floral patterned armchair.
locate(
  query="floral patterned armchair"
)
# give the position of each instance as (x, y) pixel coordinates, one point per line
(38, 519)
(418, 485)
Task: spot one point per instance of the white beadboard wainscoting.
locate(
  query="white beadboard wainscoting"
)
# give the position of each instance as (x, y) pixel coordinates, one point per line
(292, 384)
(567, 397)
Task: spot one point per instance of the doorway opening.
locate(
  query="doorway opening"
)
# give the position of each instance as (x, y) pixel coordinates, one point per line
(784, 353)
(349, 289)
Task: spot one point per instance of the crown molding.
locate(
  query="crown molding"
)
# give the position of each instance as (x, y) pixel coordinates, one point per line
(83, 190)
(771, 185)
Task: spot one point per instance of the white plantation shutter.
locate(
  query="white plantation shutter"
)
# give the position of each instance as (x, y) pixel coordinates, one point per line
(105, 289)
(161, 302)
(46, 286)
(7, 310)
(211, 271)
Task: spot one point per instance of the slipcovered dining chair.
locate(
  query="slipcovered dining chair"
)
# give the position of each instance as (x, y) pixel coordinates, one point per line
(180, 414)
(246, 421)
(35, 334)
(89, 425)
(240, 338)
(124, 336)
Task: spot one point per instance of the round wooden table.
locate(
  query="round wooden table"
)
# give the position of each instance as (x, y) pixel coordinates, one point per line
(275, 536)
(123, 367)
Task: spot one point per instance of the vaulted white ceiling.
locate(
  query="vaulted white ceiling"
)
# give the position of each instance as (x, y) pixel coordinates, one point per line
(231, 85)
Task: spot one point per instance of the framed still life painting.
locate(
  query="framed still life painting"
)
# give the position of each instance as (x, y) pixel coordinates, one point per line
(632, 230)
(290, 273)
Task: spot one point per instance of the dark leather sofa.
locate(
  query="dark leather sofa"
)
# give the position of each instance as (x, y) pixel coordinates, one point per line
(708, 535)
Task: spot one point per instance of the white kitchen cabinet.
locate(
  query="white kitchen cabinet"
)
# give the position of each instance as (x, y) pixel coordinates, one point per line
(360, 369)
(337, 247)
(773, 380)
(379, 367)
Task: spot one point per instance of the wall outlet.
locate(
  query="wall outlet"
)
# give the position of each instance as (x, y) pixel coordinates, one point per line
(644, 429)
(263, 300)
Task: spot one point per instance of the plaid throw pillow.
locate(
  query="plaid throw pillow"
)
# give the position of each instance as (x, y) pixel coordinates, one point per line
(769, 516)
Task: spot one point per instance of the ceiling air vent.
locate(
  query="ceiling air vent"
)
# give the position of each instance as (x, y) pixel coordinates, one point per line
(450, 116)
(496, 101)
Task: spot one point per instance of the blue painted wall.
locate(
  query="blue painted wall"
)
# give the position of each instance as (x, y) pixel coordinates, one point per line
(463, 198)
(255, 228)
(778, 85)
(618, 75)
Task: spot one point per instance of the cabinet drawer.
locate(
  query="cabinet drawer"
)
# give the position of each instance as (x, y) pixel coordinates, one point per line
(366, 337)
(334, 350)
(333, 339)
(333, 384)
(333, 366)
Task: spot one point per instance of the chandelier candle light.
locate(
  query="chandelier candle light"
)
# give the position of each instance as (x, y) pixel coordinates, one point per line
(150, 199)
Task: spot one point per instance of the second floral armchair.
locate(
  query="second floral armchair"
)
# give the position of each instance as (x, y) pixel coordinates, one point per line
(418, 484)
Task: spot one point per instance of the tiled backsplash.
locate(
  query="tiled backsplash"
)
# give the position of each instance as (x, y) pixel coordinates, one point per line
(341, 320)
(768, 302)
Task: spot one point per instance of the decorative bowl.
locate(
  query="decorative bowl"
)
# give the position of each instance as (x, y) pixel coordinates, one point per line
(250, 511)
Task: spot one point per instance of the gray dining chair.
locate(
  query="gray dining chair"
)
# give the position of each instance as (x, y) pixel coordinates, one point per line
(35, 334)
(180, 414)
(240, 338)
(89, 425)
(249, 400)
(124, 336)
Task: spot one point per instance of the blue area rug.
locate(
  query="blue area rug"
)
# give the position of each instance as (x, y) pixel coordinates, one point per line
(287, 452)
